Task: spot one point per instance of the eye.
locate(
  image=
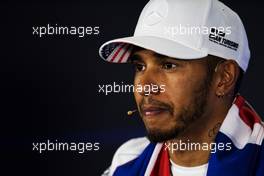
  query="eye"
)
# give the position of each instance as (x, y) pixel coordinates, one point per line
(139, 67)
(169, 66)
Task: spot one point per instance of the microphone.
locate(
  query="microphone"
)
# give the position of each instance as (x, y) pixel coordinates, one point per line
(131, 112)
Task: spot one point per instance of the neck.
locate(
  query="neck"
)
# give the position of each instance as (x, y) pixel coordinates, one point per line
(199, 133)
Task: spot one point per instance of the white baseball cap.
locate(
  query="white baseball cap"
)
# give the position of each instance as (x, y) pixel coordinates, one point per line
(184, 29)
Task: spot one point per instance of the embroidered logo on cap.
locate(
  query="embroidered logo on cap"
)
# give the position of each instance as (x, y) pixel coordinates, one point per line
(218, 37)
(159, 11)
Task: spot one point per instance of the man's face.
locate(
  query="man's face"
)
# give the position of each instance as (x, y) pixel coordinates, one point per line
(168, 114)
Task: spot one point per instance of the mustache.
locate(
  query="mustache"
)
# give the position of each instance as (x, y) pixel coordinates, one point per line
(152, 102)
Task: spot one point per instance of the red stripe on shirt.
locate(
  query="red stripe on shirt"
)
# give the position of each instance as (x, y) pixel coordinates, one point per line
(248, 115)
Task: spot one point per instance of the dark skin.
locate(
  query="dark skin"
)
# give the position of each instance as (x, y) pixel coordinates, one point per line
(162, 112)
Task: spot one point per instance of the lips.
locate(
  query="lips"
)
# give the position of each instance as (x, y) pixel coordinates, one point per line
(152, 110)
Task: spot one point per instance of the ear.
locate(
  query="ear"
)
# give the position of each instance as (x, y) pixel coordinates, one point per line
(227, 74)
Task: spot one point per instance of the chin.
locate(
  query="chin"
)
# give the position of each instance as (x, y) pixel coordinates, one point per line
(159, 122)
(162, 135)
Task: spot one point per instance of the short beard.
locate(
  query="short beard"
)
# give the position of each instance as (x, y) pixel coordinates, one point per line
(187, 116)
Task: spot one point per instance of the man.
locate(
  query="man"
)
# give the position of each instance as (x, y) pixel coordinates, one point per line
(197, 50)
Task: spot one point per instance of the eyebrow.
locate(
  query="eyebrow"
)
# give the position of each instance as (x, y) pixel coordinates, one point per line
(160, 56)
(136, 57)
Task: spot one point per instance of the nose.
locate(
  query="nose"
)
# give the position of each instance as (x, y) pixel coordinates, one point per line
(148, 84)
(149, 89)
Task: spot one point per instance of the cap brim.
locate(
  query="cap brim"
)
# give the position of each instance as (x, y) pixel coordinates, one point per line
(119, 50)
